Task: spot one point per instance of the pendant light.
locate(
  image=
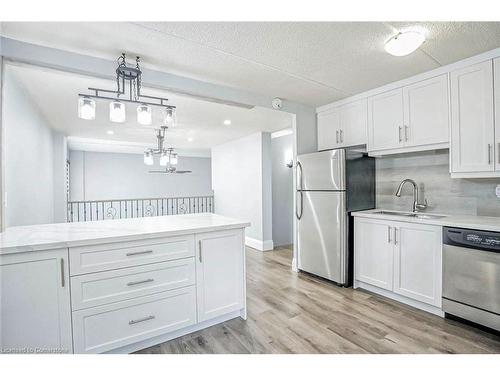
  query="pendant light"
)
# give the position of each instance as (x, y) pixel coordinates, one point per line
(170, 117)
(86, 108)
(174, 159)
(144, 116)
(164, 158)
(116, 111)
(148, 158)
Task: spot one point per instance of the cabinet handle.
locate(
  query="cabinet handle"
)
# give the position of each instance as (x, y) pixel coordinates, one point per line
(135, 321)
(140, 253)
(199, 245)
(395, 236)
(337, 136)
(63, 281)
(489, 153)
(341, 136)
(389, 234)
(132, 283)
(406, 133)
(498, 152)
(399, 133)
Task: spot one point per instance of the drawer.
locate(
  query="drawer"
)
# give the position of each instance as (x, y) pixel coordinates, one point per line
(103, 328)
(113, 286)
(87, 259)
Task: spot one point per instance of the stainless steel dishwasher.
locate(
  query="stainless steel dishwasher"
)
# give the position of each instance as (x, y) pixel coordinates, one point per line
(471, 275)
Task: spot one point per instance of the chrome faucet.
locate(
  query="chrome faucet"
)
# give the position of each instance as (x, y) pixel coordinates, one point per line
(416, 206)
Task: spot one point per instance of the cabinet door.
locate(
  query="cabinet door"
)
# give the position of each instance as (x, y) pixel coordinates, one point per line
(385, 120)
(417, 262)
(496, 69)
(353, 123)
(426, 112)
(329, 129)
(472, 124)
(373, 247)
(220, 274)
(35, 302)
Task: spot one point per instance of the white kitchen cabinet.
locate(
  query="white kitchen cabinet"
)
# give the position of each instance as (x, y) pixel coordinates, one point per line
(328, 129)
(403, 259)
(373, 253)
(386, 120)
(220, 273)
(35, 302)
(496, 85)
(472, 119)
(426, 112)
(343, 126)
(417, 262)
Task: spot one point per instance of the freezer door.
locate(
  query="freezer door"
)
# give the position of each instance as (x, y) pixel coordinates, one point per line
(321, 170)
(322, 235)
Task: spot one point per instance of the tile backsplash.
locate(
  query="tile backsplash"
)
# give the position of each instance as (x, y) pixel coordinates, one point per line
(430, 170)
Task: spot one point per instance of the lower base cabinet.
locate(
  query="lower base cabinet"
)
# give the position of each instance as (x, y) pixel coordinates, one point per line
(403, 258)
(35, 309)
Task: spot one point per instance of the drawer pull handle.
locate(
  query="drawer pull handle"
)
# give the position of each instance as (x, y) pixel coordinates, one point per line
(201, 258)
(135, 321)
(140, 253)
(132, 283)
(63, 281)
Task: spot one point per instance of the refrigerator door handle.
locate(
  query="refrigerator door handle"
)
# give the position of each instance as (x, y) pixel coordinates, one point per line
(301, 205)
(299, 176)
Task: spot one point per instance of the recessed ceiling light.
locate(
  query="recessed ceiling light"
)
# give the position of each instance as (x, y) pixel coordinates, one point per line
(404, 43)
(190, 139)
(227, 122)
(110, 132)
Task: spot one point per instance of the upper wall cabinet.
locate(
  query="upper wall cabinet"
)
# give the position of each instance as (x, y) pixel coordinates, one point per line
(343, 126)
(412, 118)
(472, 121)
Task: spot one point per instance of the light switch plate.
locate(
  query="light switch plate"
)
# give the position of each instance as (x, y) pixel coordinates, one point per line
(497, 191)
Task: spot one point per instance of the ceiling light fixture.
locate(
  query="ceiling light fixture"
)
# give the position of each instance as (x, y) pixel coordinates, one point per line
(128, 82)
(404, 43)
(170, 117)
(190, 139)
(110, 132)
(168, 158)
(227, 122)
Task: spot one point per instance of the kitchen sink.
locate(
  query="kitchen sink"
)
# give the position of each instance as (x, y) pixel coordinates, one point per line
(416, 215)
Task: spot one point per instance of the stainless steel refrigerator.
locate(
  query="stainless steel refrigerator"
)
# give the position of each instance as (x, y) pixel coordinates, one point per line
(330, 184)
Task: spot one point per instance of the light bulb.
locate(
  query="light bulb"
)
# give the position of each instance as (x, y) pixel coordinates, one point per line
(148, 158)
(404, 43)
(174, 159)
(116, 111)
(164, 159)
(86, 108)
(170, 117)
(144, 116)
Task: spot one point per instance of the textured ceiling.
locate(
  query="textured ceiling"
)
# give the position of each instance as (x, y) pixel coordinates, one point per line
(312, 63)
(56, 93)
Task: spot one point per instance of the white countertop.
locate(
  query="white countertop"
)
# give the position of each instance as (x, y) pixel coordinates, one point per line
(49, 236)
(461, 221)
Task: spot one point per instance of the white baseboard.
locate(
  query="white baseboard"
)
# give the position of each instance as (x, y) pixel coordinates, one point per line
(258, 244)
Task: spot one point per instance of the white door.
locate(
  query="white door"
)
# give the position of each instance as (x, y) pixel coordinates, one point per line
(35, 302)
(329, 129)
(373, 252)
(385, 120)
(472, 123)
(426, 112)
(417, 262)
(496, 69)
(219, 273)
(353, 123)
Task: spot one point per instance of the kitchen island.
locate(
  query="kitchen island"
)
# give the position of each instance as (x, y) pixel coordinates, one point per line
(118, 285)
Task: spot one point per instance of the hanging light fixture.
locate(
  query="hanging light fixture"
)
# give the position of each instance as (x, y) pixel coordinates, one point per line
(148, 157)
(168, 158)
(164, 158)
(128, 82)
(116, 111)
(86, 108)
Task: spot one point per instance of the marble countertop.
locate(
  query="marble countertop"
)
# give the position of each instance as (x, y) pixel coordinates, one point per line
(461, 221)
(49, 236)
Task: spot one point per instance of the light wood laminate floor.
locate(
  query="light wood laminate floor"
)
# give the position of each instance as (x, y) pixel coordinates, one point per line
(298, 313)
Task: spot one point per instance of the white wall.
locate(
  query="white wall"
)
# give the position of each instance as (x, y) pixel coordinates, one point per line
(241, 179)
(103, 175)
(282, 186)
(60, 156)
(29, 161)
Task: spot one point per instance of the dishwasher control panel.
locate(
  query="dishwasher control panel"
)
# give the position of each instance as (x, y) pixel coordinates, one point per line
(474, 239)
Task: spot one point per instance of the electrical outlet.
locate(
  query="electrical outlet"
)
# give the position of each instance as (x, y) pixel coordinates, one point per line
(497, 191)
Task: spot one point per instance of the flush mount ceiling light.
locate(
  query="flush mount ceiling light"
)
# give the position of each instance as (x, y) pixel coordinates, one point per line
(128, 82)
(404, 43)
(227, 122)
(168, 158)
